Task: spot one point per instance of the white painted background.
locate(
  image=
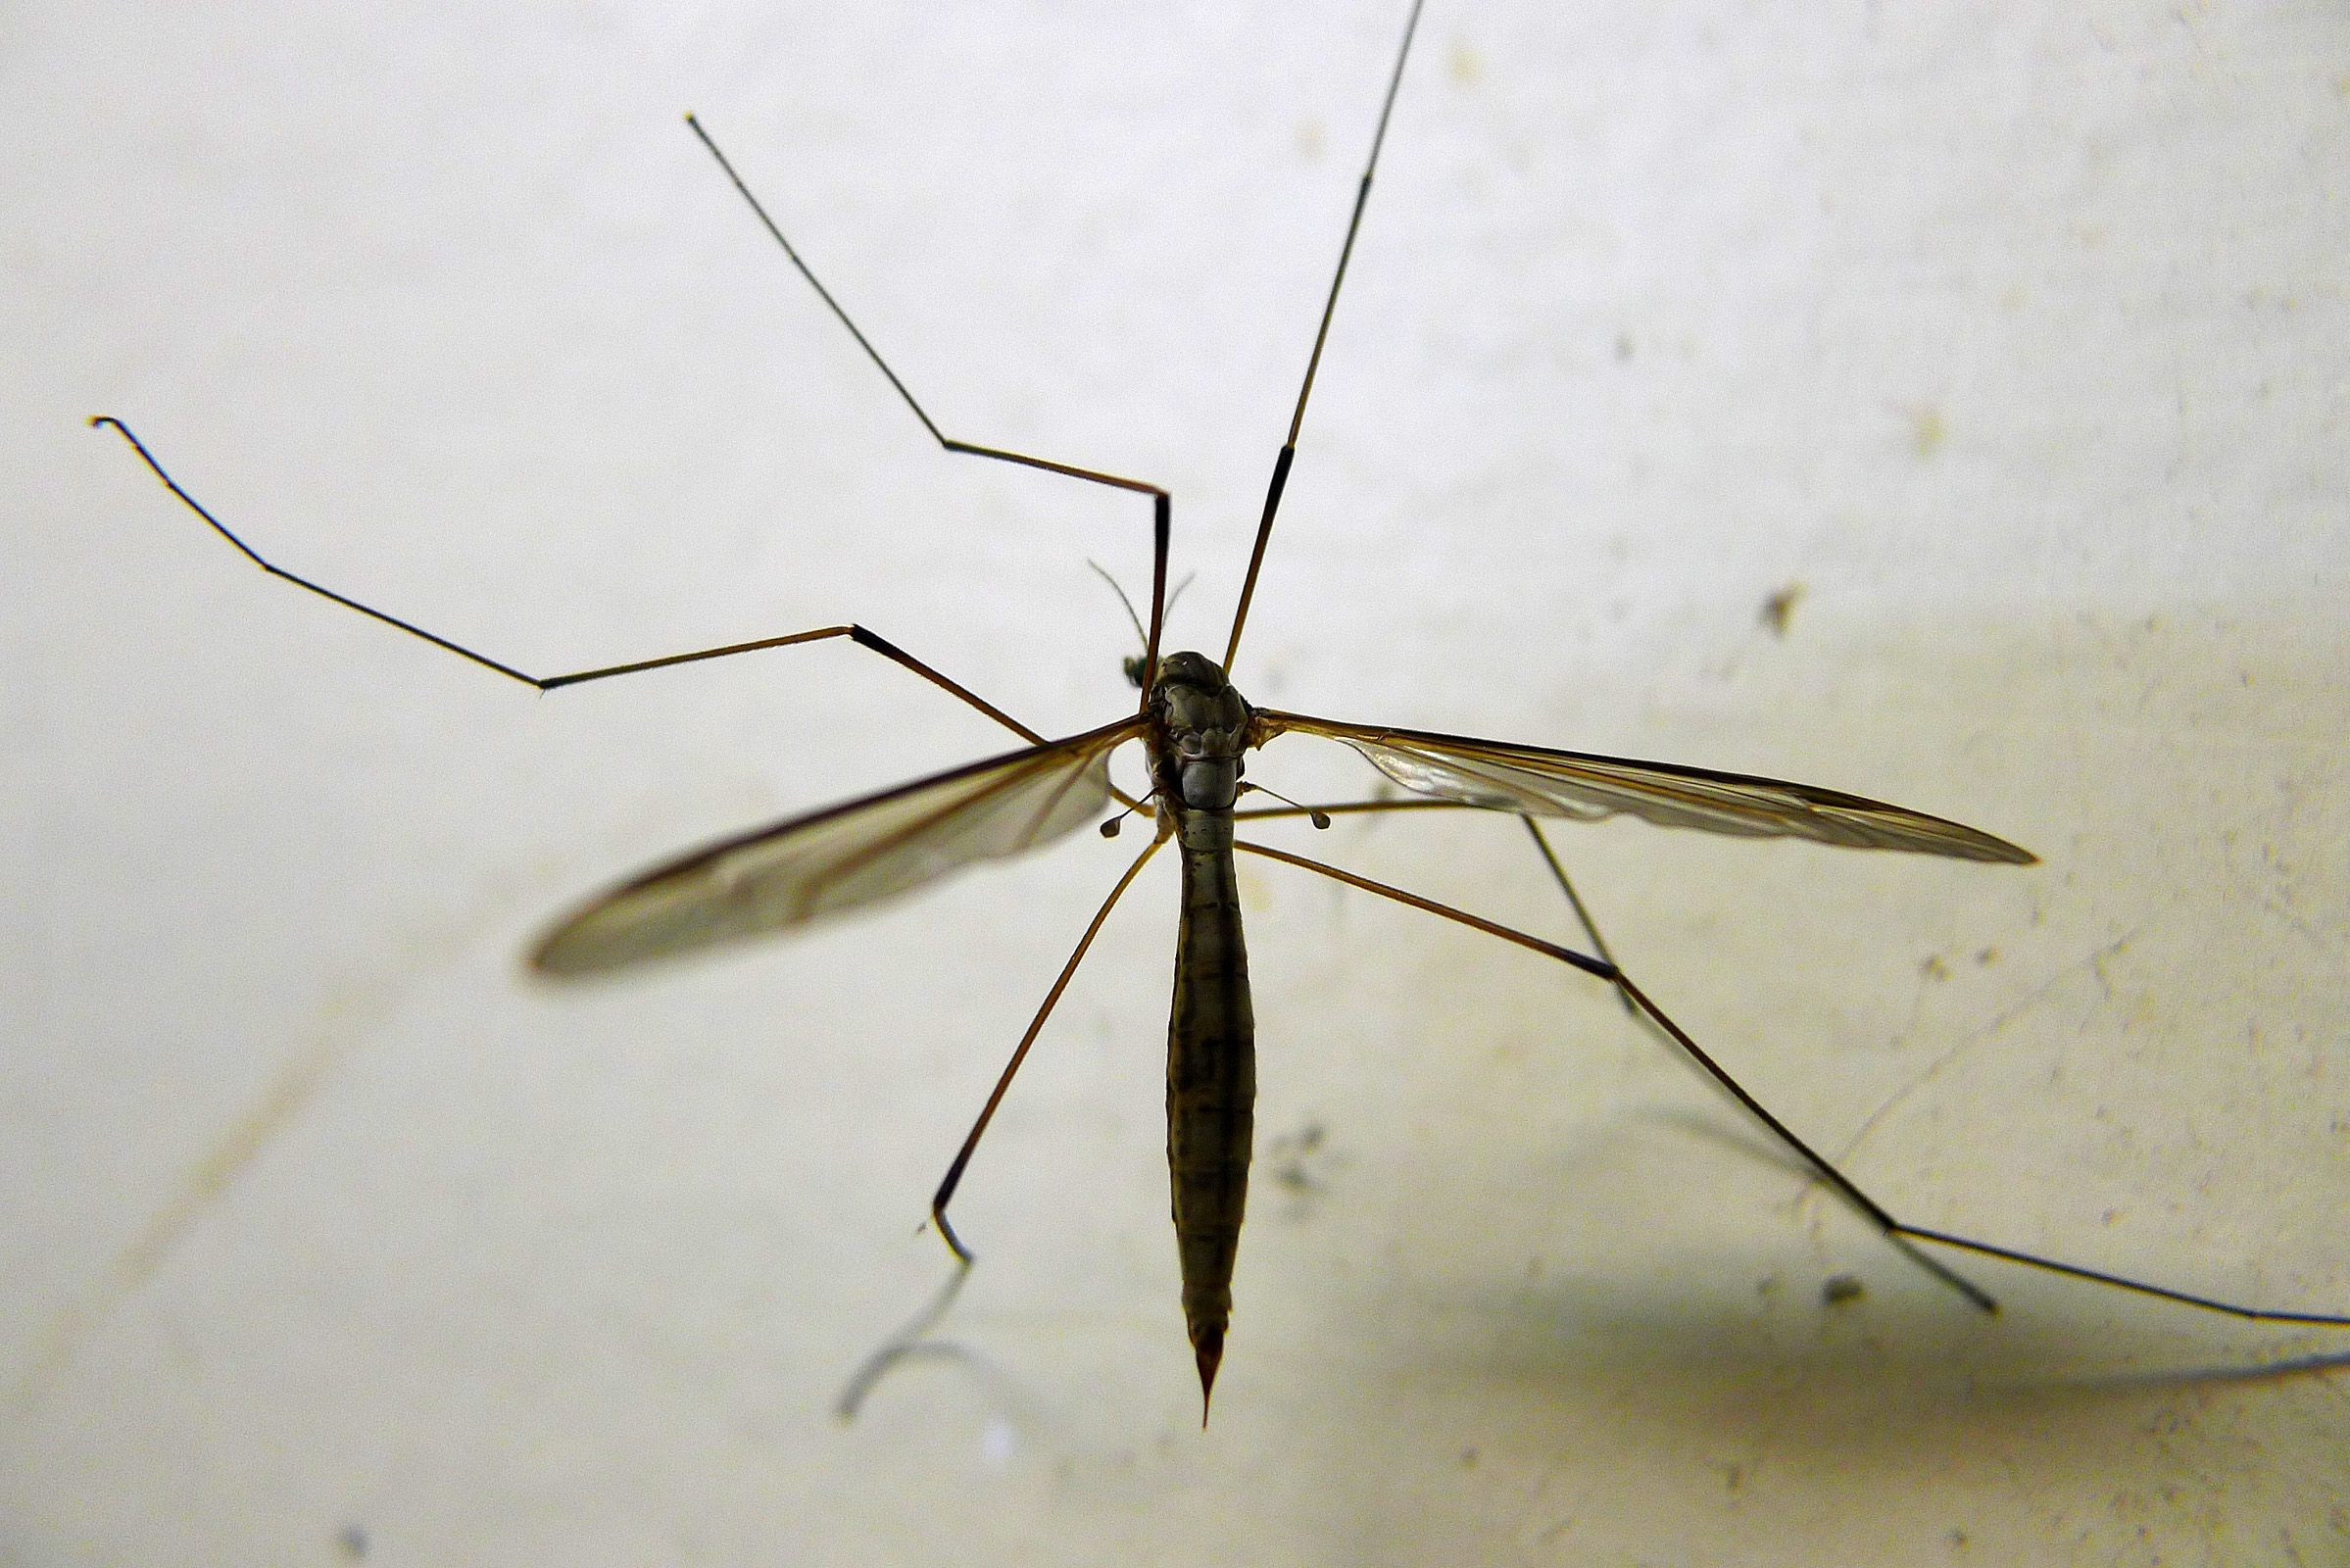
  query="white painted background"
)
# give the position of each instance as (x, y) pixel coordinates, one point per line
(2014, 334)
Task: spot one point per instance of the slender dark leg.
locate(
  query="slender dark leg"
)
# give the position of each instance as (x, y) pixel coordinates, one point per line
(1591, 927)
(987, 1113)
(1314, 363)
(1558, 871)
(1161, 519)
(1901, 1234)
(547, 683)
(1161, 507)
(908, 1338)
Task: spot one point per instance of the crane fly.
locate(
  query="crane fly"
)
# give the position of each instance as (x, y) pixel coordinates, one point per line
(1196, 730)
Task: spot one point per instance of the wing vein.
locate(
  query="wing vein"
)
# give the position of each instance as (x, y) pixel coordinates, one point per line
(1541, 782)
(840, 857)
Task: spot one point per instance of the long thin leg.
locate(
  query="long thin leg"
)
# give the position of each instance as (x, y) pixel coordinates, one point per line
(987, 1113)
(1160, 504)
(1591, 927)
(1314, 363)
(909, 1336)
(547, 683)
(1558, 871)
(1901, 1234)
(1163, 526)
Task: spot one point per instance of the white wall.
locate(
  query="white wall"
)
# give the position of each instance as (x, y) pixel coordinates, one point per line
(2011, 333)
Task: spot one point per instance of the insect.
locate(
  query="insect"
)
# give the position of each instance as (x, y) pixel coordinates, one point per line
(1195, 729)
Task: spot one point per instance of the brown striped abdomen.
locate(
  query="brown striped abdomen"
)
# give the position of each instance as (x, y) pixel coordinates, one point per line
(1211, 1083)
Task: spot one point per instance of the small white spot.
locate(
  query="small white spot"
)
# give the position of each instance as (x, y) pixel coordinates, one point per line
(997, 1442)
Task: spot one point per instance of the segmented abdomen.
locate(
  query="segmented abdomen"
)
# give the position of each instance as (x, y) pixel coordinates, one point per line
(1211, 1082)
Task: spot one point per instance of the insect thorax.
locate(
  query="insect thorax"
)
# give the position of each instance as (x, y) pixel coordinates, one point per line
(1200, 727)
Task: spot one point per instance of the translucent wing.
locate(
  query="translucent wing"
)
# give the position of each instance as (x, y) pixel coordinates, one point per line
(838, 858)
(1540, 782)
